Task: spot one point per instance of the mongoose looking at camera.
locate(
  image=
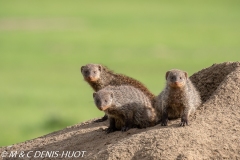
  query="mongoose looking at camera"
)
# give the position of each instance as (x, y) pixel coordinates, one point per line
(99, 76)
(179, 99)
(126, 107)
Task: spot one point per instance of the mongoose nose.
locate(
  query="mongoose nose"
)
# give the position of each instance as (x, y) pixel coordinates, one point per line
(100, 108)
(90, 78)
(178, 84)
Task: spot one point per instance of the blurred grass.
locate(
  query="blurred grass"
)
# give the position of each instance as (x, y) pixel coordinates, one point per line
(44, 43)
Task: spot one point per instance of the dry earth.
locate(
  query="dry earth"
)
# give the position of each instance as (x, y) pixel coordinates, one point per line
(213, 133)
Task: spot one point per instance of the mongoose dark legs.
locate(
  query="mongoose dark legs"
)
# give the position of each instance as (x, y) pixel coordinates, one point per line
(112, 126)
(104, 118)
(164, 120)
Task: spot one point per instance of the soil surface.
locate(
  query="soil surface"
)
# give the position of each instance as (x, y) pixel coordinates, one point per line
(213, 132)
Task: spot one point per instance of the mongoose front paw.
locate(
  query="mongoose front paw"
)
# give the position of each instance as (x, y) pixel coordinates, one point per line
(99, 120)
(184, 121)
(124, 129)
(109, 130)
(164, 122)
(104, 118)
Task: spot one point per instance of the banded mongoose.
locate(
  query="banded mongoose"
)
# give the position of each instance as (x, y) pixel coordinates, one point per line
(126, 107)
(179, 99)
(99, 76)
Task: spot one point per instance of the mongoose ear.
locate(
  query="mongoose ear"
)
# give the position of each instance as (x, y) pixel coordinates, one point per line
(100, 68)
(94, 94)
(167, 73)
(82, 68)
(186, 74)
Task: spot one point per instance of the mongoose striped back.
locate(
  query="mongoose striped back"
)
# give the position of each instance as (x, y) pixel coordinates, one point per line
(126, 103)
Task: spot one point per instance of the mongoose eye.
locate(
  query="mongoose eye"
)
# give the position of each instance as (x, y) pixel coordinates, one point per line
(97, 101)
(105, 100)
(94, 72)
(86, 72)
(180, 77)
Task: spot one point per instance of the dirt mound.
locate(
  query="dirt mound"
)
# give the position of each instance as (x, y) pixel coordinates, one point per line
(209, 79)
(213, 132)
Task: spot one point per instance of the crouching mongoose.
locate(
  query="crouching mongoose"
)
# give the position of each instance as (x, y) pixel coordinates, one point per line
(126, 107)
(179, 99)
(99, 76)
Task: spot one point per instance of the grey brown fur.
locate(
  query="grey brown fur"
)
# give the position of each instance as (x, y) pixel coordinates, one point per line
(126, 107)
(99, 76)
(179, 99)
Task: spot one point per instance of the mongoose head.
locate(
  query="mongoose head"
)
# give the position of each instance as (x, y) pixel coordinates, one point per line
(91, 72)
(176, 78)
(103, 99)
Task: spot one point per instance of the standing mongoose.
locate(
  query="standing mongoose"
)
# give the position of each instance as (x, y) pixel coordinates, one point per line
(99, 76)
(126, 107)
(179, 98)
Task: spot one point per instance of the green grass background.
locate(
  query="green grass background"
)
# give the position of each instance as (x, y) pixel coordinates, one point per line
(43, 44)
